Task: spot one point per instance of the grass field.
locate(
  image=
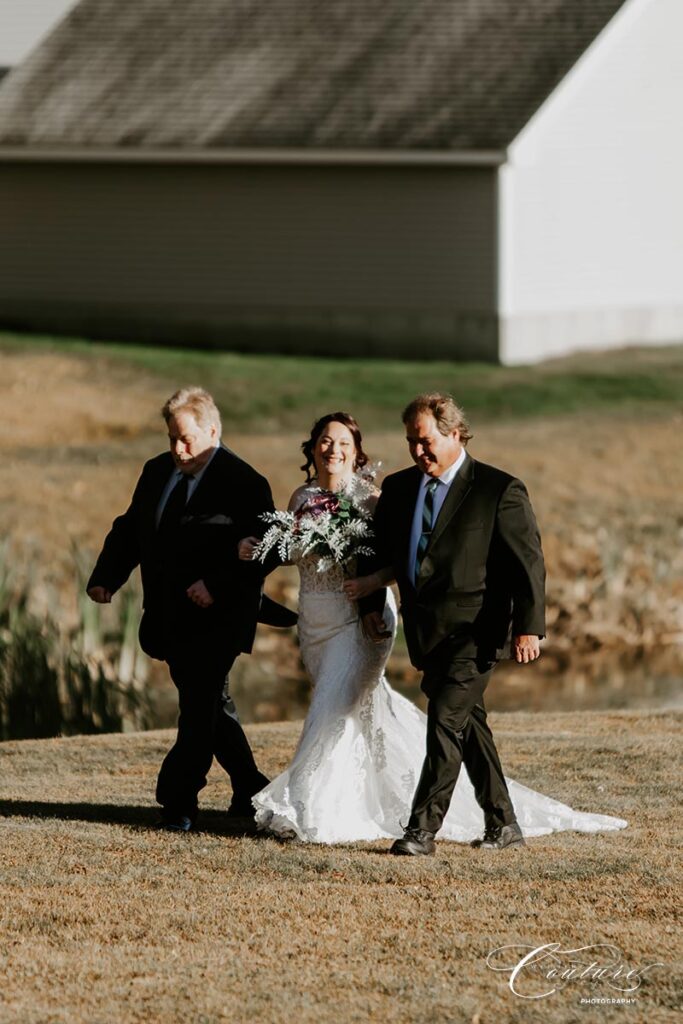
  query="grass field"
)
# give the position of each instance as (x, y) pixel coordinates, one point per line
(596, 438)
(105, 921)
(265, 394)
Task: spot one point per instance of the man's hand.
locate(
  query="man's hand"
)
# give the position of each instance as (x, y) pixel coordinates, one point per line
(526, 648)
(374, 627)
(247, 547)
(199, 594)
(100, 595)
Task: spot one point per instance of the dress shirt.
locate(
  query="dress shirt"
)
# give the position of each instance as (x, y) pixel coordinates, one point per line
(192, 484)
(444, 482)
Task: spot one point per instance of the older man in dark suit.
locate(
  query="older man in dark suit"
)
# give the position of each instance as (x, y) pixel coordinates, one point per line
(461, 539)
(190, 507)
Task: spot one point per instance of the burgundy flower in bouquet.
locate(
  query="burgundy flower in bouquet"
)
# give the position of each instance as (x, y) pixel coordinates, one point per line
(333, 526)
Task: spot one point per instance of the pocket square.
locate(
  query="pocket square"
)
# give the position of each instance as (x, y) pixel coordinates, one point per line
(208, 519)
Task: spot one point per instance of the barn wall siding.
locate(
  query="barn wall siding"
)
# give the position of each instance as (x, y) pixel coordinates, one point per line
(591, 214)
(254, 257)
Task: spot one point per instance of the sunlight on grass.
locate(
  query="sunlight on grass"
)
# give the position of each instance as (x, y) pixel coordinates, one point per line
(106, 919)
(265, 393)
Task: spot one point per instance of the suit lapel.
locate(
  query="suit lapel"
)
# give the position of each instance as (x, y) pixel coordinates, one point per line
(408, 510)
(457, 493)
(206, 477)
(156, 487)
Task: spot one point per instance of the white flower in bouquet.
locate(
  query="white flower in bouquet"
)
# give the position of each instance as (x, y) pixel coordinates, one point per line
(333, 525)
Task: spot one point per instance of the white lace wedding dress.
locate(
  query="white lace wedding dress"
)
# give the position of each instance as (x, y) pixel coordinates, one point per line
(360, 754)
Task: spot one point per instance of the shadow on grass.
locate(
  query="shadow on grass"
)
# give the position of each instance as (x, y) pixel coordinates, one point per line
(146, 818)
(139, 817)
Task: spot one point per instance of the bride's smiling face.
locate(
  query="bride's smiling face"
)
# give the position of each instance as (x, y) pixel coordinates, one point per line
(334, 453)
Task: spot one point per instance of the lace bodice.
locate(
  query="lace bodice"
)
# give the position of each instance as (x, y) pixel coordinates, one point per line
(328, 582)
(313, 582)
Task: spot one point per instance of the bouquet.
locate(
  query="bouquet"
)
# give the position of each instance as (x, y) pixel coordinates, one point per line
(334, 526)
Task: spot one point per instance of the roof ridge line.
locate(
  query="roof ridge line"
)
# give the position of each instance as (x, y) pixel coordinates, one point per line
(288, 155)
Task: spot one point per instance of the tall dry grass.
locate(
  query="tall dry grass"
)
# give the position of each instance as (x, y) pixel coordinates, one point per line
(61, 677)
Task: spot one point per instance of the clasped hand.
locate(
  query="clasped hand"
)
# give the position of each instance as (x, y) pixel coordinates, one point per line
(360, 587)
(375, 628)
(197, 593)
(246, 548)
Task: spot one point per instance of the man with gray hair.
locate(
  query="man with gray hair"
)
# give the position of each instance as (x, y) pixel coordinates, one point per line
(461, 539)
(190, 508)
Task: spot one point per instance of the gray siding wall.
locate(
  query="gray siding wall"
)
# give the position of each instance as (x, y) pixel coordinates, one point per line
(385, 260)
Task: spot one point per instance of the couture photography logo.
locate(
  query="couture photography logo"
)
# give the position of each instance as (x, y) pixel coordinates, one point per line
(538, 972)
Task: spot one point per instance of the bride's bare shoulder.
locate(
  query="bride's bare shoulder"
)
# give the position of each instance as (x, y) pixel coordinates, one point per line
(297, 497)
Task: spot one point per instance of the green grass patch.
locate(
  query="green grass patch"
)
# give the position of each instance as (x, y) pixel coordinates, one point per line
(265, 393)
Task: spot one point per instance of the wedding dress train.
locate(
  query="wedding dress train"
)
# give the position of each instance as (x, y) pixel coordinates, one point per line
(358, 760)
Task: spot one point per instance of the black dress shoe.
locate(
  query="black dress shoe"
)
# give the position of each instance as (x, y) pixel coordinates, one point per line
(179, 823)
(497, 837)
(241, 807)
(417, 842)
(240, 811)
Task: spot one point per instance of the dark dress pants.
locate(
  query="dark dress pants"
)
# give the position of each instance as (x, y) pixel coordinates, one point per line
(207, 728)
(457, 734)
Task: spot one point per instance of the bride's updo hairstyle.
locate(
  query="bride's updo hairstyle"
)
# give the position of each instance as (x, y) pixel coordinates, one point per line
(346, 420)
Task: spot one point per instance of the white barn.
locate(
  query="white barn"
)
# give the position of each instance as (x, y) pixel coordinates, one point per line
(591, 205)
(494, 179)
(23, 23)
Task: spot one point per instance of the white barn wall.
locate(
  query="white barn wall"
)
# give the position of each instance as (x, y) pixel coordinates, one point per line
(591, 202)
(25, 23)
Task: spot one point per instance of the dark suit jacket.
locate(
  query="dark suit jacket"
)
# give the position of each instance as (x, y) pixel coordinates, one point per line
(224, 507)
(483, 569)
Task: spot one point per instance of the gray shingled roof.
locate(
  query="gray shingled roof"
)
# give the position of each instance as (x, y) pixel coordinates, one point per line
(326, 74)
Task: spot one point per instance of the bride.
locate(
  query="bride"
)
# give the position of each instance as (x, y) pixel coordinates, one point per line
(359, 756)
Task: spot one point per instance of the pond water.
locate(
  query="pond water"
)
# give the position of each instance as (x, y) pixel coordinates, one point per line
(558, 681)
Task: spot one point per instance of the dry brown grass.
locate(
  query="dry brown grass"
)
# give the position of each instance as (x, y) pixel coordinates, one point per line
(78, 429)
(105, 921)
(79, 426)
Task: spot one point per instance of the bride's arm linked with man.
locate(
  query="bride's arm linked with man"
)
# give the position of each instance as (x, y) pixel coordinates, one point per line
(461, 542)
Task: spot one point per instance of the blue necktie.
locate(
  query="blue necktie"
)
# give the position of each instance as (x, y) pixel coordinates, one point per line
(427, 523)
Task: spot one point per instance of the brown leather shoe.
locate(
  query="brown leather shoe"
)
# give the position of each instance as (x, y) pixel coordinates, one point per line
(497, 837)
(417, 842)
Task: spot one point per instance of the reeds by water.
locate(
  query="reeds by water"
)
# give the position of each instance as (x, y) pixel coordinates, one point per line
(59, 679)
